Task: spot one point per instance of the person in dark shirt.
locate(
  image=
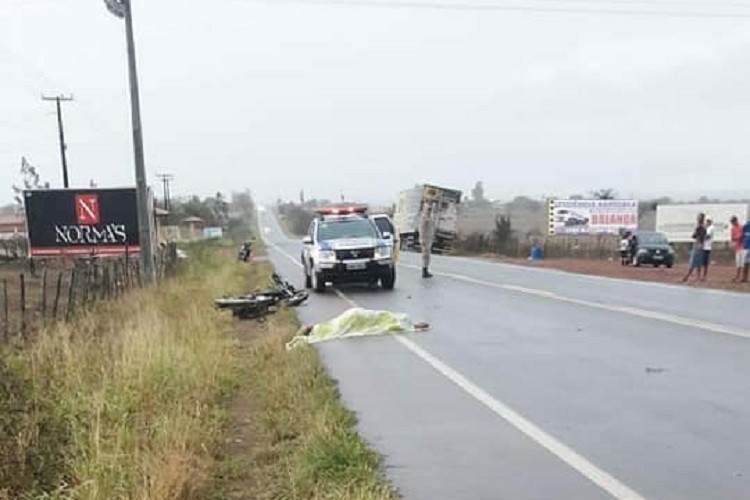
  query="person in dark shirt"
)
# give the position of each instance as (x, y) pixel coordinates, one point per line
(697, 254)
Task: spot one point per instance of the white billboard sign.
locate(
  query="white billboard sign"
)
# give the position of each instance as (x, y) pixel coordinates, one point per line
(582, 217)
(678, 221)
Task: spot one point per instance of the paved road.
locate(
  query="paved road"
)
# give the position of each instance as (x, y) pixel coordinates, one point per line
(537, 384)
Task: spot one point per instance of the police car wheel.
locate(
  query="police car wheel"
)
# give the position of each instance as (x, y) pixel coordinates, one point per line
(317, 283)
(389, 281)
(308, 279)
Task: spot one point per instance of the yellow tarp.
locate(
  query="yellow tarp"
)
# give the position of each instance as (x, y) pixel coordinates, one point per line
(356, 322)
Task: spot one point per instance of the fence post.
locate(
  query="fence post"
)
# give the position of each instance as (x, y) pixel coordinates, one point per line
(6, 318)
(23, 305)
(43, 305)
(57, 296)
(71, 295)
(138, 273)
(106, 282)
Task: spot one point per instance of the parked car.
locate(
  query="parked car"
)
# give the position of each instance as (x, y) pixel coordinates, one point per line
(653, 249)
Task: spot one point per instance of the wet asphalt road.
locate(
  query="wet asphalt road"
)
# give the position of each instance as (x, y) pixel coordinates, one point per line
(537, 384)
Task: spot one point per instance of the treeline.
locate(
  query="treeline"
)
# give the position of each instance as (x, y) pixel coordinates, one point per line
(232, 214)
(297, 217)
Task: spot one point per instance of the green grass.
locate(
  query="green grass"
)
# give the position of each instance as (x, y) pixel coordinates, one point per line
(307, 446)
(125, 401)
(137, 398)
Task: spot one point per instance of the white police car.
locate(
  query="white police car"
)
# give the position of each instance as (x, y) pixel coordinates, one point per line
(343, 245)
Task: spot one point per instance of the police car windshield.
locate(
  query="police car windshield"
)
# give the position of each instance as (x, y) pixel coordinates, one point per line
(342, 229)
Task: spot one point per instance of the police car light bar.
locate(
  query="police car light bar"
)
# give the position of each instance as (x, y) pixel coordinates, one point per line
(341, 210)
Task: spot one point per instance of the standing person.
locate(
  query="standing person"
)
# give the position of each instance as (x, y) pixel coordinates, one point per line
(696, 254)
(737, 244)
(633, 248)
(624, 244)
(426, 235)
(746, 249)
(707, 246)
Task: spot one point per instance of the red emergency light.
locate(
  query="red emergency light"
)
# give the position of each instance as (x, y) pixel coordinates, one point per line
(343, 209)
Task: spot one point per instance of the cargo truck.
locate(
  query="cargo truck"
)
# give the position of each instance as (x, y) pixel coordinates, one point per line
(408, 214)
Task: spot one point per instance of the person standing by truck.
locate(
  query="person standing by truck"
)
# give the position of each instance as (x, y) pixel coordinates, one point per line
(426, 235)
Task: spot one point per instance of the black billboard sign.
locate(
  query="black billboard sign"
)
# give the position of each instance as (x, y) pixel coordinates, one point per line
(81, 221)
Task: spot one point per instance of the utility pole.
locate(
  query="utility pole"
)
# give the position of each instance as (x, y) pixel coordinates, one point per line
(63, 147)
(123, 9)
(165, 180)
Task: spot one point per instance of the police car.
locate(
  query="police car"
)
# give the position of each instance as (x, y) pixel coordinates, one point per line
(344, 245)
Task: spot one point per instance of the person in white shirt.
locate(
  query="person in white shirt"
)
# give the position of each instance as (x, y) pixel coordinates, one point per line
(707, 244)
(624, 244)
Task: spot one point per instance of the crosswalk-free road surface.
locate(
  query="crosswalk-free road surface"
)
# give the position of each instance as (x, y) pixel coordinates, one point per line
(537, 384)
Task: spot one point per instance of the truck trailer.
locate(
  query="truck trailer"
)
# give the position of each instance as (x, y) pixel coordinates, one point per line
(408, 214)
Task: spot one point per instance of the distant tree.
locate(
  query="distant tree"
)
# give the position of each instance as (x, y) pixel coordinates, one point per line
(30, 179)
(302, 196)
(525, 203)
(503, 232)
(477, 194)
(604, 194)
(220, 209)
(242, 203)
(577, 197)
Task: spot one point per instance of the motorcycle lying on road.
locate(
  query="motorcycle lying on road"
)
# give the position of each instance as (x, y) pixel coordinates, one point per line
(259, 304)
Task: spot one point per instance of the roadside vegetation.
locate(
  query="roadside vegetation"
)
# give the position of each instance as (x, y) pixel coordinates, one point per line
(140, 398)
(126, 400)
(288, 434)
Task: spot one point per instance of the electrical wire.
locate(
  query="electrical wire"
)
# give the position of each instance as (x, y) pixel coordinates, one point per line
(617, 7)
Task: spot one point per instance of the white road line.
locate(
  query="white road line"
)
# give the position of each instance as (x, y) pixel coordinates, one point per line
(633, 311)
(604, 480)
(590, 277)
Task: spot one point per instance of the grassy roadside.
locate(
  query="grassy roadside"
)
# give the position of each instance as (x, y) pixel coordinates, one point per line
(145, 397)
(125, 401)
(290, 436)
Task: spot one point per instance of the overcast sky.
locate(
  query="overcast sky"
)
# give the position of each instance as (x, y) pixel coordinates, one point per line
(276, 96)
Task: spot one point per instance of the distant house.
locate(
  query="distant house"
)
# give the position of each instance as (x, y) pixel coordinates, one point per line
(12, 226)
(191, 228)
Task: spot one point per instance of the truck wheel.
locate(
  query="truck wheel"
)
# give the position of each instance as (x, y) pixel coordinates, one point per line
(317, 283)
(388, 281)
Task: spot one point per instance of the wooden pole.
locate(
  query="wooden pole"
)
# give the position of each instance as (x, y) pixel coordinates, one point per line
(6, 318)
(71, 295)
(43, 305)
(23, 305)
(57, 296)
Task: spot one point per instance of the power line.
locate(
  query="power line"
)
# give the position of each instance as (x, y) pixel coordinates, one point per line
(59, 98)
(536, 8)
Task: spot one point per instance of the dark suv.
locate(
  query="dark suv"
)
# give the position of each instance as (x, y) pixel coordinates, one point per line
(654, 249)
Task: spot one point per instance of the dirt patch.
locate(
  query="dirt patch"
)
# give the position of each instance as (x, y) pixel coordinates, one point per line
(235, 473)
(719, 276)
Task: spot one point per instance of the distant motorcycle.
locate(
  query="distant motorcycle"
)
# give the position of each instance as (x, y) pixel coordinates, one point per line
(244, 253)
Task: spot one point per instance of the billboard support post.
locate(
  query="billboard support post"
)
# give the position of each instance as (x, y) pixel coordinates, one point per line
(123, 9)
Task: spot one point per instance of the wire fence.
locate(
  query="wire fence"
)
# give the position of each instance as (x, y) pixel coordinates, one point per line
(35, 294)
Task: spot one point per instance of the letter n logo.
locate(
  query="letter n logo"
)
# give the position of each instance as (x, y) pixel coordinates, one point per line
(87, 209)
